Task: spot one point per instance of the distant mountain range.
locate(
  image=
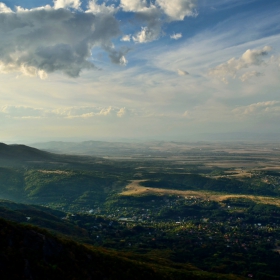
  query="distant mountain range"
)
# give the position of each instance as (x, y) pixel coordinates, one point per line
(101, 148)
(154, 149)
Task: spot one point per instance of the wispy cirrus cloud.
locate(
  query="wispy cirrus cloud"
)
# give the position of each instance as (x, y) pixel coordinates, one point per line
(182, 72)
(21, 112)
(27, 112)
(260, 108)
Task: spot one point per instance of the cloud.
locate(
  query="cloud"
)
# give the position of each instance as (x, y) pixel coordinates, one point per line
(187, 114)
(82, 112)
(176, 36)
(116, 56)
(147, 35)
(77, 112)
(134, 5)
(121, 112)
(41, 41)
(248, 75)
(152, 30)
(61, 38)
(95, 8)
(154, 15)
(21, 112)
(178, 9)
(105, 112)
(275, 60)
(253, 57)
(89, 112)
(182, 72)
(126, 38)
(175, 9)
(4, 9)
(268, 107)
(62, 4)
(233, 66)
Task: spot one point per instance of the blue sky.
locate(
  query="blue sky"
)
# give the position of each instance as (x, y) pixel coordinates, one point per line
(135, 69)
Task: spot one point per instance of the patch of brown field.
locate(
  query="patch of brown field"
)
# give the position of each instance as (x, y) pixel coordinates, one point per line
(235, 164)
(54, 172)
(134, 188)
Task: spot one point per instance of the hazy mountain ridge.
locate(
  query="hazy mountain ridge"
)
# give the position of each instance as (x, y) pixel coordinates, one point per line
(99, 147)
(153, 148)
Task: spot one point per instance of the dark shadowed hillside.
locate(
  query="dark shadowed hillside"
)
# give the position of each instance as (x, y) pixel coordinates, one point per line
(31, 253)
(43, 217)
(21, 152)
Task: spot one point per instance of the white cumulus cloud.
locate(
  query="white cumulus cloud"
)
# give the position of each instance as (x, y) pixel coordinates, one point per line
(234, 65)
(4, 8)
(178, 9)
(95, 8)
(75, 4)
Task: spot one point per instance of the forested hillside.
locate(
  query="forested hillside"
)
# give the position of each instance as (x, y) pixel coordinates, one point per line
(173, 218)
(31, 253)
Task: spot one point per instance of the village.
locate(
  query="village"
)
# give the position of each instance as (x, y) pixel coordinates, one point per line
(181, 228)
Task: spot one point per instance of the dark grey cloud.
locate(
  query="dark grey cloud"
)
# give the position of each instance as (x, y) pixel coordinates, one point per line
(152, 19)
(47, 40)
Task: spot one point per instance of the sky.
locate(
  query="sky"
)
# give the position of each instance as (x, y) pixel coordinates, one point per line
(180, 70)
